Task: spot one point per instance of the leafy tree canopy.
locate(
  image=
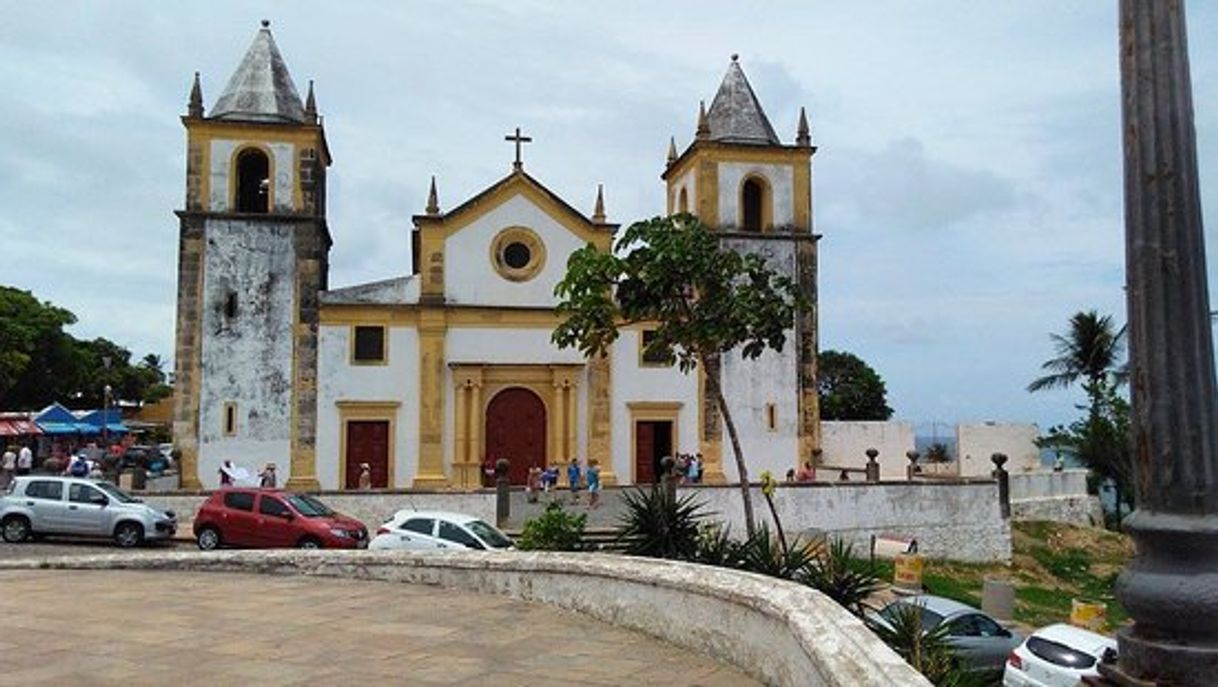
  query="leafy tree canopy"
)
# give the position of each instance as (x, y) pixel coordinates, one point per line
(703, 299)
(849, 389)
(40, 363)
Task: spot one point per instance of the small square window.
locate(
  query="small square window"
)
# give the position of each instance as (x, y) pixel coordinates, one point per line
(369, 346)
(649, 358)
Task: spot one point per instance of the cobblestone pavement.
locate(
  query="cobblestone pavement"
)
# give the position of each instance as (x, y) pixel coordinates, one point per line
(180, 629)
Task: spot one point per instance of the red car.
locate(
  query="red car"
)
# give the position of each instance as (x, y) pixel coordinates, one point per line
(265, 518)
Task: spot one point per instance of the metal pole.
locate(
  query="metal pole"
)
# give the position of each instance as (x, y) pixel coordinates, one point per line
(1170, 588)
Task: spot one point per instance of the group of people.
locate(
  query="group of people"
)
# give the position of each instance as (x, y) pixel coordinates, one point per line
(229, 474)
(17, 460)
(688, 467)
(541, 481)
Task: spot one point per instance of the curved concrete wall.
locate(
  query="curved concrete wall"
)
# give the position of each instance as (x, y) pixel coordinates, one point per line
(780, 632)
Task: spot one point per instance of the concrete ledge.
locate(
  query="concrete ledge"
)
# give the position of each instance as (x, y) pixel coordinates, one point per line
(780, 632)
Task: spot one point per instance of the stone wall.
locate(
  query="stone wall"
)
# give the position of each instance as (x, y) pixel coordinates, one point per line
(952, 520)
(975, 443)
(1058, 496)
(845, 444)
(779, 632)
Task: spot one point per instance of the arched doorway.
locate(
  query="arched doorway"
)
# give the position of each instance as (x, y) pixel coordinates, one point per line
(516, 430)
(253, 181)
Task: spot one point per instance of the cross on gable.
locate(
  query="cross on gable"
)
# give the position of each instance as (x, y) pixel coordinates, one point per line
(518, 139)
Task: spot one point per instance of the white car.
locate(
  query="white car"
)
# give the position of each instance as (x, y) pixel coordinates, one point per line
(1056, 655)
(427, 530)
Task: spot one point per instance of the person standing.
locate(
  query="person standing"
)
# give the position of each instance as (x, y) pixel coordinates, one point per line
(693, 470)
(226, 476)
(266, 478)
(8, 467)
(25, 460)
(573, 475)
(365, 476)
(594, 484)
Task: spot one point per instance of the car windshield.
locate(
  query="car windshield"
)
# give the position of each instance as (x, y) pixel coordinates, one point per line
(930, 619)
(116, 493)
(488, 534)
(309, 507)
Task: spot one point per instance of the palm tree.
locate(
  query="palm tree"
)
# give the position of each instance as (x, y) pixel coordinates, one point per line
(1091, 351)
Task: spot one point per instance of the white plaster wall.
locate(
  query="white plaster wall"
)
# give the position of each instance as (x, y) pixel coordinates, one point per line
(977, 442)
(782, 183)
(954, 521)
(470, 276)
(282, 167)
(1047, 483)
(339, 380)
(630, 383)
(685, 181)
(748, 385)
(247, 360)
(846, 443)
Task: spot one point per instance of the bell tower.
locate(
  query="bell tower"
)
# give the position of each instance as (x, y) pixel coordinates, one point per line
(755, 191)
(253, 255)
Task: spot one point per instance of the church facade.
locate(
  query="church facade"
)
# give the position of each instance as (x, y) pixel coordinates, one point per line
(425, 376)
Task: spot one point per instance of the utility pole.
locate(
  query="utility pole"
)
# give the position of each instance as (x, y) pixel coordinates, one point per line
(1170, 588)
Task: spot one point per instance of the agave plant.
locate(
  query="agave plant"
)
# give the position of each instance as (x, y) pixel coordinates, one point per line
(659, 525)
(928, 651)
(765, 554)
(837, 573)
(716, 546)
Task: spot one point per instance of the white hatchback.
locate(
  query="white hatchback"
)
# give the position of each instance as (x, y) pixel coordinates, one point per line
(427, 530)
(1057, 655)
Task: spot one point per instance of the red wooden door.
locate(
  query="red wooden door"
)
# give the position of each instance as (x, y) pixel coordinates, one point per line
(644, 452)
(516, 430)
(368, 442)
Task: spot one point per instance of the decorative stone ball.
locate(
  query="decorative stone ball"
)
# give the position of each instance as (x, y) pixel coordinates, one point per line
(501, 467)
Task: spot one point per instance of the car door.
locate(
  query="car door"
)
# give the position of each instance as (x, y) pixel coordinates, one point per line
(45, 500)
(995, 642)
(965, 633)
(454, 536)
(237, 518)
(85, 513)
(273, 523)
(416, 534)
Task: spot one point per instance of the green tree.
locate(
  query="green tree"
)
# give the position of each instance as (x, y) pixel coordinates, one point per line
(849, 389)
(705, 300)
(1091, 354)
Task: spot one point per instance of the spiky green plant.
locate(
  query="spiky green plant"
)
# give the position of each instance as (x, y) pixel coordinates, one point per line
(927, 650)
(657, 524)
(766, 554)
(837, 573)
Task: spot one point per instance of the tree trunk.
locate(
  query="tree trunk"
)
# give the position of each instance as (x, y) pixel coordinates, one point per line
(749, 523)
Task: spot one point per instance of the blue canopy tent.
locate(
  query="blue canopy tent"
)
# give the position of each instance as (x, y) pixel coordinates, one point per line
(111, 420)
(58, 420)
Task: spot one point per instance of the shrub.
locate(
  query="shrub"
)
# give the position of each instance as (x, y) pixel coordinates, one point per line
(927, 651)
(716, 547)
(838, 574)
(658, 525)
(553, 530)
(764, 554)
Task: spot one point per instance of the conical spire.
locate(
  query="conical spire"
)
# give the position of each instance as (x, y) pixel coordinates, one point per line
(195, 107)
(803, 137)
(703, 124)
(672, 149)
(735, 114)
(433, 199)
(311, 106)
(598, 213)
(261, 90)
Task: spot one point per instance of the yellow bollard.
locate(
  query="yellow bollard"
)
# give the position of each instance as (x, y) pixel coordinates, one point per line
(907, 573)
(1091, 616)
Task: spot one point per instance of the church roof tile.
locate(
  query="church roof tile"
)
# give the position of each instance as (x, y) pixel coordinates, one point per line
(261, 90)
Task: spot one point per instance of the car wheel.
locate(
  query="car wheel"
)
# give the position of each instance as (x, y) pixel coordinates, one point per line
(208, 539)
(308, 543)
(128, 534)
(16, 529)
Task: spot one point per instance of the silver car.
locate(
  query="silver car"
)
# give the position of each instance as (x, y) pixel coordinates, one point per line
(980, 642)
(36, 504)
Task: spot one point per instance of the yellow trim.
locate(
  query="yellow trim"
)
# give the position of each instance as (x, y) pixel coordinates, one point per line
(385, 316)
(384, 359)
(706, 192)
(375, 411)
(767, 203)
(720, 152)
(683, 199)
(530, 239)
(803, 196)
(599, 412)
(652, 411)
(432, 329)
(519, 185)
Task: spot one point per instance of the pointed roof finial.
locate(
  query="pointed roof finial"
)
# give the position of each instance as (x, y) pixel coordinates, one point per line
(433, 200)
(266, 23)
(735, 57)
(195, 107)
(803, 137)
(311, 105)
(703, 122)
(672, 149)
(598, 213)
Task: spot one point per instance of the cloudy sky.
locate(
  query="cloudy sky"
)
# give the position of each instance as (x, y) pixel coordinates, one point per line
(967, 183)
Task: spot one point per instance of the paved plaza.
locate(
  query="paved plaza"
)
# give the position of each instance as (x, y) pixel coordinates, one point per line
(162, 628)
